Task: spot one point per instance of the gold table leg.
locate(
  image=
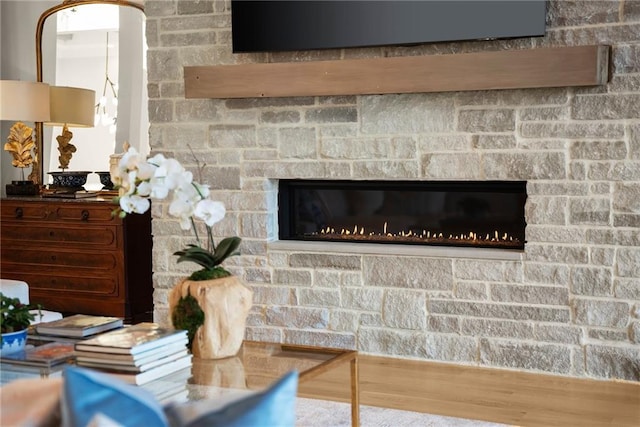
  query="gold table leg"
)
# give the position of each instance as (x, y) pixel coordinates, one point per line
(355, 393)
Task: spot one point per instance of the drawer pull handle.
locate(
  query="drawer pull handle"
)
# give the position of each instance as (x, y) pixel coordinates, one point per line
(19, 213)
(85, 215)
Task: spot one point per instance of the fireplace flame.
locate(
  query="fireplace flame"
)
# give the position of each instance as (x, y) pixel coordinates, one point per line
(471, 238)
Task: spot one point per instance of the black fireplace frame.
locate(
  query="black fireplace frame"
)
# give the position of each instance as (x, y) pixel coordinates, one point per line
(286, 200)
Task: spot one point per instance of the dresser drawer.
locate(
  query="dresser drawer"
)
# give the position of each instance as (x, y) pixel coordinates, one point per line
(23, 211)
(102, 213)
(65, 213)
(60, 260)
(42, 233)
(72, 284)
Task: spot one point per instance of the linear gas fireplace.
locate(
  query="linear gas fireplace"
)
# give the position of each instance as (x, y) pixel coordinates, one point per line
(488, 214)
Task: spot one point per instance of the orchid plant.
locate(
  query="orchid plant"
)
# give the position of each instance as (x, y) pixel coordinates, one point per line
(141, 180)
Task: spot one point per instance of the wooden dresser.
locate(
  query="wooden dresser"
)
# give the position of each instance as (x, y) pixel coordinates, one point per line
(77, 257)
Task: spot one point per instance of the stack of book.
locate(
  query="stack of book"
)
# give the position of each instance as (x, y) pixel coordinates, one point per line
(76, 327)
(43, 361)
(137, 354)
(51, 344)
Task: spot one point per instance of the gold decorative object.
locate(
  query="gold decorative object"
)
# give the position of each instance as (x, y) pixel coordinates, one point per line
(19, 144)
(65, 147)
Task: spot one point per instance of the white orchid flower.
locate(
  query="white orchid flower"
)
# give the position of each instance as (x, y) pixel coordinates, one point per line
(144, 189)
(127, 186)
(158, 189)
(157, 160)
(134, 204)
(201, 189)
(185, 223)
(175, 175)
(209, 211)
(130, 159)
(187, 191)
(182, 208)
(121, 170)
(146, 171)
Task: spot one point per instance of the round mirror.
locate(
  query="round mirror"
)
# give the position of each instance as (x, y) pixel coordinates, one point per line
(78, 45)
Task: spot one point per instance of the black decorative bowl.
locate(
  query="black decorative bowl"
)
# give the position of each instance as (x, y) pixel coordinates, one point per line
(105, 180)
(73, 179)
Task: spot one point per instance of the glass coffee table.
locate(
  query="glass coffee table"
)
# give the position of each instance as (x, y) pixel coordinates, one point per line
(258, 364)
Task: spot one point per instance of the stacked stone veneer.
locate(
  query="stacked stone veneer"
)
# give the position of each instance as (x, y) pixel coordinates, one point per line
(570, 305)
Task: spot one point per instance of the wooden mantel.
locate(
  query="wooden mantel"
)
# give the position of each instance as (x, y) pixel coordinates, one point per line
(508, 69)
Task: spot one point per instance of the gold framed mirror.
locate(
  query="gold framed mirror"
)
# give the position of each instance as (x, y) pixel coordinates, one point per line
(54, 14)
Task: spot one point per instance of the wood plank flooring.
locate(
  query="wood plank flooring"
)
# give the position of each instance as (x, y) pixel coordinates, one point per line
(509, 397)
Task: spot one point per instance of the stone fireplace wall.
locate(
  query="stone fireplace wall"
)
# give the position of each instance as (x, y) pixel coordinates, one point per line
(569, 304)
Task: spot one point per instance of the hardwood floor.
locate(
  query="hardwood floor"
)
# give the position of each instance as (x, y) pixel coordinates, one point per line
(496, 395)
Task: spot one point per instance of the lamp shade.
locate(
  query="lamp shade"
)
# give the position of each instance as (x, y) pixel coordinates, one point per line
(21, 100)
(71, 106)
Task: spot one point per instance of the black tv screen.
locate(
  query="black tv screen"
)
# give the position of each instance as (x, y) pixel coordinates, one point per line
(275, 25)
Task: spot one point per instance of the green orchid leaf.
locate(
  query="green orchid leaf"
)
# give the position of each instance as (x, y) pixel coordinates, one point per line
(197, 255)
(207, 260)
(226, 248)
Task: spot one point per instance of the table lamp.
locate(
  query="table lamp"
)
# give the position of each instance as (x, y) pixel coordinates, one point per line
(70, 107)
(23, 100)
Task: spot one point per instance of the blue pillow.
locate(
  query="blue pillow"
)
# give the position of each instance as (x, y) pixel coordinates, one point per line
(89, 394)
(274, 407)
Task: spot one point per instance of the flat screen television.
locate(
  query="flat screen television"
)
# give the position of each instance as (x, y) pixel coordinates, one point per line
(275, 25)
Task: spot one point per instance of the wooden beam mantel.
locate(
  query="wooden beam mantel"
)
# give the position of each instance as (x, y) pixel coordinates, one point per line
(507, 69)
